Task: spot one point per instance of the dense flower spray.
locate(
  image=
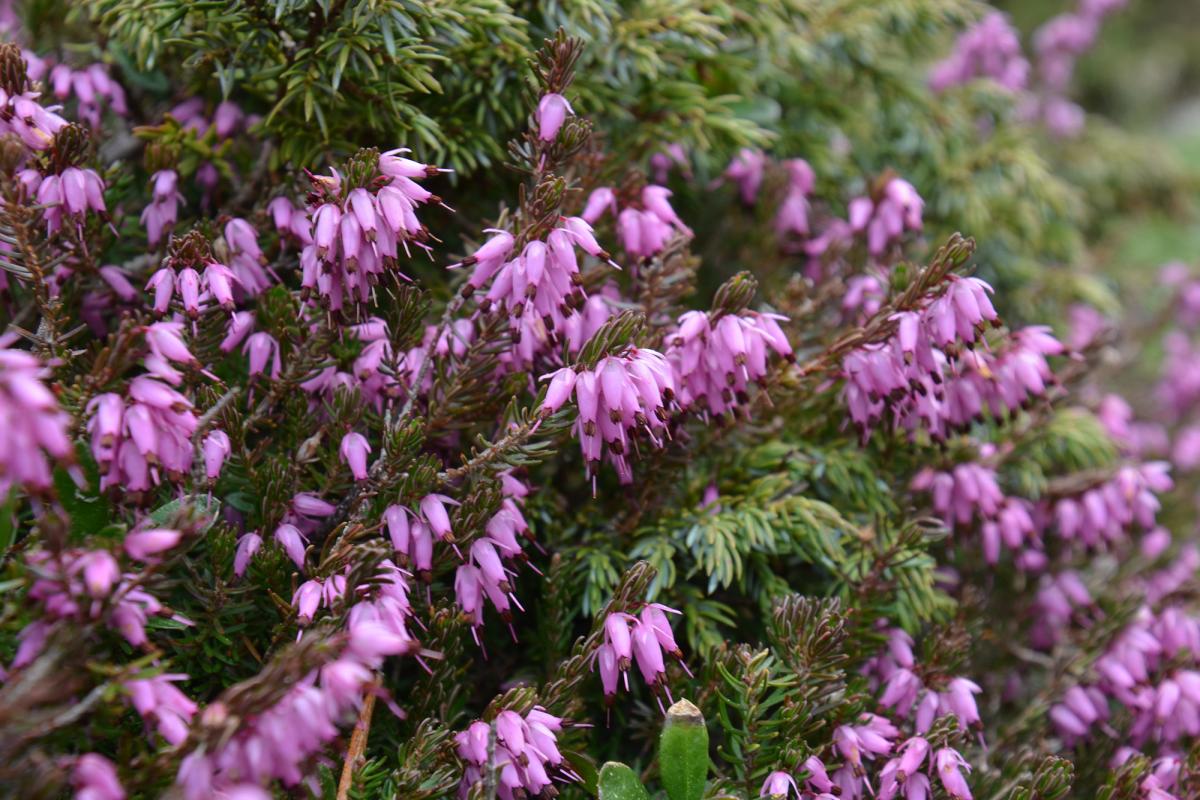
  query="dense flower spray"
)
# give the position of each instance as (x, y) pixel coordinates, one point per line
(640, 640)
(264, 469)
(715, 360)
(645, 225)
(622, 400)
(522, 749)
(990, 49)
(33, 431)
(361, 221)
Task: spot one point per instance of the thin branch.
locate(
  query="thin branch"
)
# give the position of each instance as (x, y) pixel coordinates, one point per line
(358, 745)
(217, 408)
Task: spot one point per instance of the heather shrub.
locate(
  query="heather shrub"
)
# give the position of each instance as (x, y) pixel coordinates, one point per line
(599, 399)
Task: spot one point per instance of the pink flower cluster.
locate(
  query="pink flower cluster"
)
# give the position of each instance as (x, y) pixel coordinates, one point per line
(792, 218)
(970, 491)
(278, 742)
(70, 194)
(92, 86)
(621, 400)
(21, 114)
(871, 735)
(1098, 517)
(493, 557)
(413, 532)
(1064, 38)
(533, 342)
(86, 585)
(642, 639)
(160, 703)
(539, 288)
(136, 439)
(867, 738)
(1102, 515)
(291, 534)
(315, 593)
(1152, 672)
(379, 375)
(1059, 43)
(989, 49)
(715, 359)
(383, 609)
(199, 287)
(894, 670)
(525, 753)
(923, 385)
(780, 785)
(882, 217)
(33, 431)
(645, 227)
(887, 215)
(356, 231)
(1061, 599)
(900, 773)
(910, 371)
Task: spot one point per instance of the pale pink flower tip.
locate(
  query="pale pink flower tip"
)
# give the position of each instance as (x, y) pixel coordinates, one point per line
(247, 546)
(216, 449)
(780, 785)
(95, 778)
(551, 113)
(354, 451)
(144, 544)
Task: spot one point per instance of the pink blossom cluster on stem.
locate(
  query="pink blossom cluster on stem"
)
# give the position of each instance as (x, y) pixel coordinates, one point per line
(493, 558)
(357, 232)
(1150, 670)
(277, 743)
(991, 48)
(521, 749)
(933, 372)
(137, 438)
(895, 672)
(33, 430)
(89, 585)
(22, 114)
(907, 773)
(640, 640)
(92, 87)
(1097, 517)
(883, 217)
(1058, 45)
(716, 358)
(539, 289)
(624, 399)
(68, 195)
(644, 227)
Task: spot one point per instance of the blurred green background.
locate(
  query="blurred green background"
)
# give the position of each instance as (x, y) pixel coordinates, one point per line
(1144, 75)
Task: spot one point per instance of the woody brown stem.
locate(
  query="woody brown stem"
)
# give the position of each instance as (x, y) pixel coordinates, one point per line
(358, 745)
